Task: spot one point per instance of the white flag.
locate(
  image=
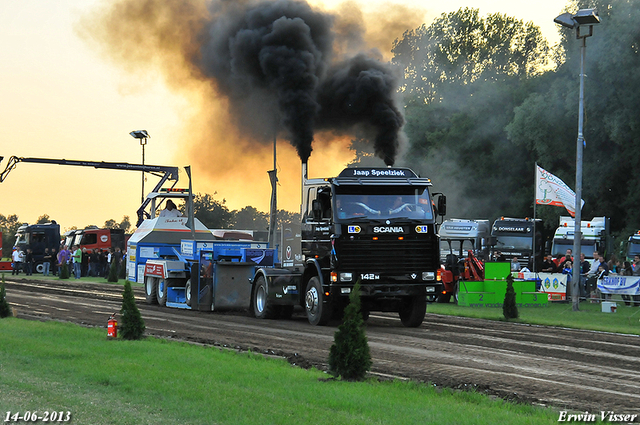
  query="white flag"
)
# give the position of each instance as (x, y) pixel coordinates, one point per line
(550, 190)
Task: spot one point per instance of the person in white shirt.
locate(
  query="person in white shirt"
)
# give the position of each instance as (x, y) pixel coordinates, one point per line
(170, 210)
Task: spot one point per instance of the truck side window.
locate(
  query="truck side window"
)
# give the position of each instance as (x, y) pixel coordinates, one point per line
(308, 208)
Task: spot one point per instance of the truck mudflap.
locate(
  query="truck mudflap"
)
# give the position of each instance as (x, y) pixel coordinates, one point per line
(284, 286)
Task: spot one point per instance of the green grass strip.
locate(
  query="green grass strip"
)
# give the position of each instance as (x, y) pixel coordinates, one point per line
(55, 366)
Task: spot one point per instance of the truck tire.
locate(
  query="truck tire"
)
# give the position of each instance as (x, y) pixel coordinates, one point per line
(161, 290)
(412, 311)
(39, 268)
(150, 290)
(187, 292)
(318, 313)
(262, 306)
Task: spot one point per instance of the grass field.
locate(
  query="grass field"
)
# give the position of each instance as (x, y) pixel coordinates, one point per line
(67, 368)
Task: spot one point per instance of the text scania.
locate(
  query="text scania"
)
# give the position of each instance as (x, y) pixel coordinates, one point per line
(388, 229)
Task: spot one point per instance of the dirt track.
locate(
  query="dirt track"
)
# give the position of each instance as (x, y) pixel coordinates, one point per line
(563, 368)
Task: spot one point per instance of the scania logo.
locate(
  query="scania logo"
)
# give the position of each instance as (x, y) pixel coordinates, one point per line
(388, 229)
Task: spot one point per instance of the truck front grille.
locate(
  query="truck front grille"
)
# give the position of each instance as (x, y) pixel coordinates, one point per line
(387, 256)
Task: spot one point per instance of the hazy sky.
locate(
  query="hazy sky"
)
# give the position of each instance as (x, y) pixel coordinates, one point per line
(60, 98)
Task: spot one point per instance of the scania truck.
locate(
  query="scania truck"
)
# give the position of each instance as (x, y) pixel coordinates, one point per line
(373, 225)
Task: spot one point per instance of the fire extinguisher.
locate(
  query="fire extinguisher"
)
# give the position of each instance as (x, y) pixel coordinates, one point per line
(112, 327)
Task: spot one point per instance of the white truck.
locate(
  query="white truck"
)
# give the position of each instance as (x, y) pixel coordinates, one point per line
(595, 236)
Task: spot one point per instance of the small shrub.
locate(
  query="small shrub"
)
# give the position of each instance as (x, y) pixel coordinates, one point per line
(63, 272)
(113, 272)
(5, 308)
(509, 308)
(349, 356)
(132, 325)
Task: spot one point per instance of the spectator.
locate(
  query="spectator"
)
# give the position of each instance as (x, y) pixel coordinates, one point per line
(103, 263)
(548, 266)
(626, 270)
(54, 262)
(16, 258)
(28, 263)
(63, 258)
(47, 258)
(77, 261)
(84, 269)
(584, 269)
(515, 264)
(559, 262)
(94, 263)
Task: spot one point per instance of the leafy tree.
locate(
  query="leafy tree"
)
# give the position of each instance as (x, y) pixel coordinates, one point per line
(546, 122)
(212, 213)
(461, 87)
(349, 356)
(249, 218)
(9, 226)
(132, 325)
(125, 224)
(43, 219)
(509, 308)
(460, 47)
(5, 308)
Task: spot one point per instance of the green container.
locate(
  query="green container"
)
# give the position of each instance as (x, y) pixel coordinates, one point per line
(496, 270)
(498, 287)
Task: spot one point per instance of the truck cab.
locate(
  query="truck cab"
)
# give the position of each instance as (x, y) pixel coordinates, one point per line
(595, 236)
(37, 237)
(519, 237)
(376, 225)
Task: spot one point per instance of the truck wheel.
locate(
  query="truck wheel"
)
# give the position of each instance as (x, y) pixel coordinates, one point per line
(262, 306)
(150, 288)
(317, 312)
(187, 292)
(412, 311)
(162, 292)
(39, 267)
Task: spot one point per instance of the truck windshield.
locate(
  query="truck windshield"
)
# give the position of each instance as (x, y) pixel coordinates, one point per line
(383, 202)
(22, 239)
(633, 249)
(560, 247)
(519, 243)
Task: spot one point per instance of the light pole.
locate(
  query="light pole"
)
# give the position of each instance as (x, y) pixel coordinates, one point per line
(141, 135)
(583, 22)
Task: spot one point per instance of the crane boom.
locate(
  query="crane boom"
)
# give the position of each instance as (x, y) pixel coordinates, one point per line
(165, 173)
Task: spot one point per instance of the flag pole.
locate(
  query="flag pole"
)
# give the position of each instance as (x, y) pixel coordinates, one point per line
(535, 201)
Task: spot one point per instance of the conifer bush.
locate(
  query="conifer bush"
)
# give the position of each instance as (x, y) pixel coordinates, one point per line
(63, 272)
(5, 309)
(132, 326)
(509, 308)
(349, 356)
(113, 272)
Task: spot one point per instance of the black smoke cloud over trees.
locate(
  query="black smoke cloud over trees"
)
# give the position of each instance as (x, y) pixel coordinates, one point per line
(274, 62)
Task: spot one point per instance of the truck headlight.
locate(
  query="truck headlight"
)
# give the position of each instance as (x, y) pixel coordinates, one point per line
(431, 289)
(428, 275)
(346, 277)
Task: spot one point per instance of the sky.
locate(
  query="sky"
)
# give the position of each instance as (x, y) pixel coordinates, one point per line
(63, 96)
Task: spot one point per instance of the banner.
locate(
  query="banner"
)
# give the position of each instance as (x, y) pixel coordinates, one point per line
(628, 285)
(550, 190)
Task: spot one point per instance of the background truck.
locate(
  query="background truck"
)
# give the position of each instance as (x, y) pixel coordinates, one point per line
(464, 244)
(37, 237)
(595, 236)
(633, 246)
(95, 238)
(375, 225)
(521, 238)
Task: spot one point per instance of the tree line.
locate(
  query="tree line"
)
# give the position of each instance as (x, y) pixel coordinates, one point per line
(486, 98)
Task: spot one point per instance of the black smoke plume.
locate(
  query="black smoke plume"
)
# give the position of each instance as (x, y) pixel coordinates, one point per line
(274, 62)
